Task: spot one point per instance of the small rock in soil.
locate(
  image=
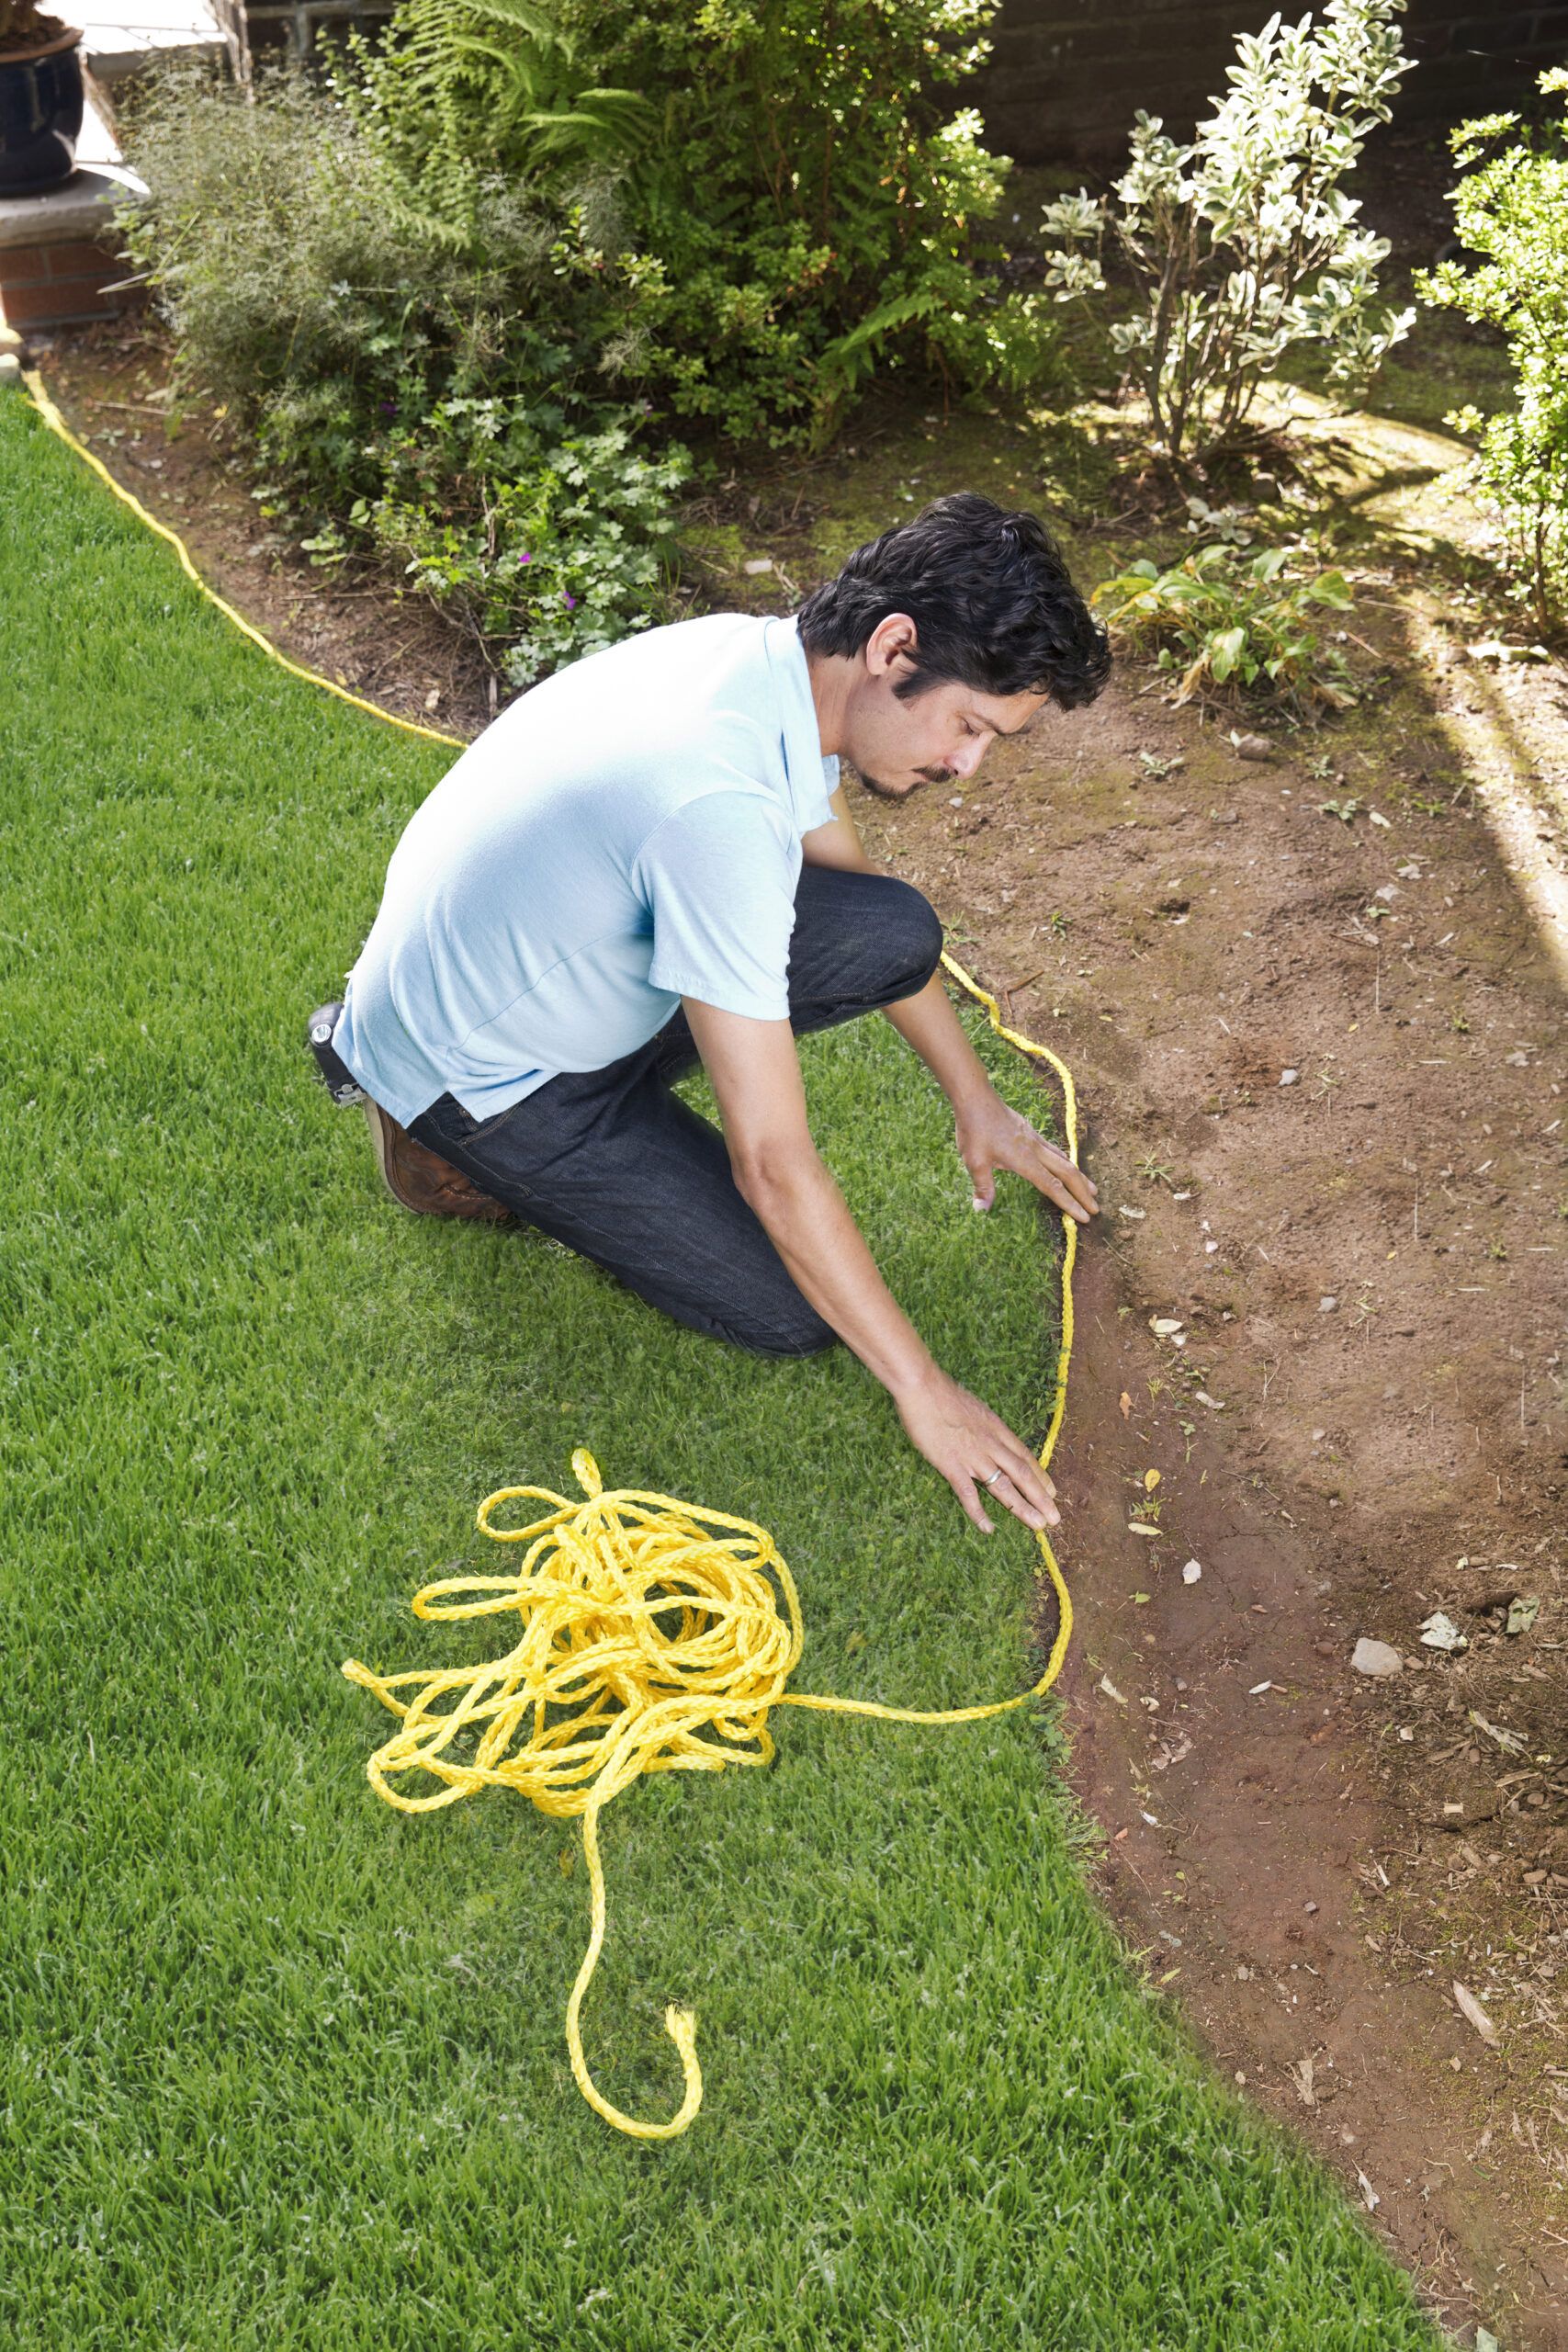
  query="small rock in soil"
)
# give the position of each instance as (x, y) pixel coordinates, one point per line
(1376, 1657)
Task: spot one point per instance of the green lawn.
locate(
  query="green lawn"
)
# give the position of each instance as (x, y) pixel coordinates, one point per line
(286, 2069)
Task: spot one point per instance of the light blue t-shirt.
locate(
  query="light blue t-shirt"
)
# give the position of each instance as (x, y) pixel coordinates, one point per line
(625, 835)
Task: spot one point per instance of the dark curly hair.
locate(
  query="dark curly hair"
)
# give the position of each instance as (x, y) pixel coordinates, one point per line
(988, 594)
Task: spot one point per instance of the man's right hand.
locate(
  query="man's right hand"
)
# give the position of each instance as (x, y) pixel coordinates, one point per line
(756, 1076)
(966, 1441)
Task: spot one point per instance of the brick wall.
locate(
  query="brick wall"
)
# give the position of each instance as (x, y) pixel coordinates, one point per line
(1065, 75)
(44, 286)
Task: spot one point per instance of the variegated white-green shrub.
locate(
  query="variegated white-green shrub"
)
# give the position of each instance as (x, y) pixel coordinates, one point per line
(1244, 244)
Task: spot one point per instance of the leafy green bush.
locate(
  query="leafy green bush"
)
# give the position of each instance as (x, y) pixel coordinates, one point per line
(1241, 244)
(450, 287)
(457, 404)
(577, 523)
(1235, 628)
(813, 201)
(1511, 211)
(805, 206)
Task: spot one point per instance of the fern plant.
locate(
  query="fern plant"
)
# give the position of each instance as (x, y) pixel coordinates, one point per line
(462, 91)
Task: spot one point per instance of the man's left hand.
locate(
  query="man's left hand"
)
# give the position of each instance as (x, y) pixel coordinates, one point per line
(991, 1135)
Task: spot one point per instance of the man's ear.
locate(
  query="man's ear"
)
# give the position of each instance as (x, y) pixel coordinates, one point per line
(891, 645)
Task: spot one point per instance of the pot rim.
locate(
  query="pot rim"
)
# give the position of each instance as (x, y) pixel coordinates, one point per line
(67, 39)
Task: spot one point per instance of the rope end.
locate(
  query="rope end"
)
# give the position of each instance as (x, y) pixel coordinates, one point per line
(680, 2025)
(585, 1470)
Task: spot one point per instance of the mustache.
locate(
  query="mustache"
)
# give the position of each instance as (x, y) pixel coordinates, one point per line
(894, 792)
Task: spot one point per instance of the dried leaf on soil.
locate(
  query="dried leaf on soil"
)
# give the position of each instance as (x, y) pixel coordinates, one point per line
(1474, 2012)
(1509, 1740)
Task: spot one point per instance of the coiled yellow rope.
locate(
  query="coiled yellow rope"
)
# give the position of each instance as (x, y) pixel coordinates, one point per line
(602, 1686)
(649, 1642)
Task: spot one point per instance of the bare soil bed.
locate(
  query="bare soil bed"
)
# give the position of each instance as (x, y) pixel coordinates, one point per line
(1328, 1308)
(1322, 1061)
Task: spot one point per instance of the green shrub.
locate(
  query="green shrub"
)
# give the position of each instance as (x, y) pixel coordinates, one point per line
(1235, 628)
(805, 203)
(1241, 245)
(450, 288)
(1511, 211)
(815, 199)
(457, 405)
(578, 523)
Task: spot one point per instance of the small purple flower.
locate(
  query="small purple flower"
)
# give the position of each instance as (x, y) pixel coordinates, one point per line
(569, 601)
(389, 408)
(524, 557)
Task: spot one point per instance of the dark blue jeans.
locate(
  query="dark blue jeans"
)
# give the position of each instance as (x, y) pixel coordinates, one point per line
(613, 1163)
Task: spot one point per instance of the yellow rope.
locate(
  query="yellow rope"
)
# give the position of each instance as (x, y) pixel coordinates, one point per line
(608, 1687)
(602, 1687)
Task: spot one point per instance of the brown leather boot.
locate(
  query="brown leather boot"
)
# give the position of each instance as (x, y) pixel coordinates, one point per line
(416, 1178)
(420, 1180)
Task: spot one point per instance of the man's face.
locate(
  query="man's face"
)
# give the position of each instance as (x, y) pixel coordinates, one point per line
(939, 736)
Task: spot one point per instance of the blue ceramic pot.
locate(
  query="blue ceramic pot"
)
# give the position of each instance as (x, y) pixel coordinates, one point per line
(42, 101)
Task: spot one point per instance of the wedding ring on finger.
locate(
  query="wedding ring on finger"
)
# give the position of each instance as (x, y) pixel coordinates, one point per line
(994, 1477)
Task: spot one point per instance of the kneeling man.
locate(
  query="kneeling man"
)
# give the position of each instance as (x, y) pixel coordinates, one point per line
(648, 858)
